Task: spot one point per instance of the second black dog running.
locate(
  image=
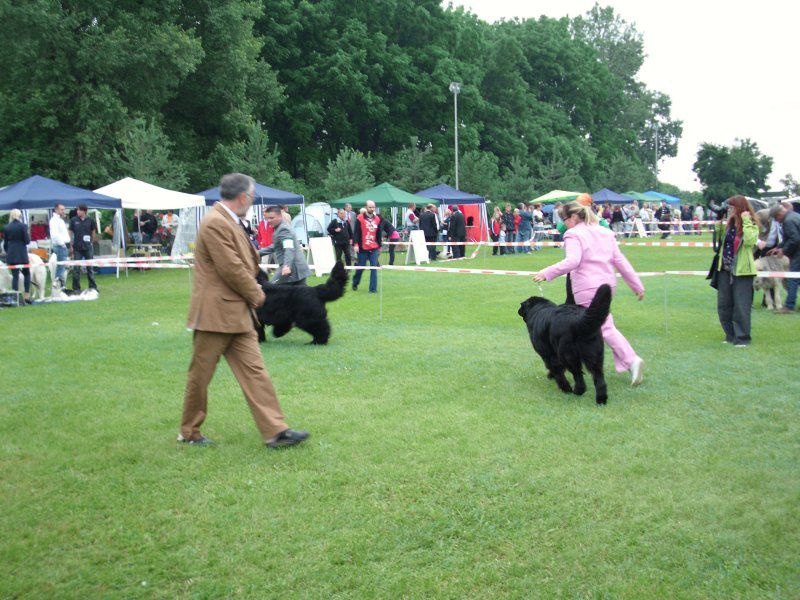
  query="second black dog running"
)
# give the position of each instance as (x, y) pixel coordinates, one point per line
(303, 306)
(568, 336)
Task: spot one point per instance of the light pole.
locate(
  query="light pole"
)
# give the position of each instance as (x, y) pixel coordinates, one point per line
(655, 164)
(455, 88)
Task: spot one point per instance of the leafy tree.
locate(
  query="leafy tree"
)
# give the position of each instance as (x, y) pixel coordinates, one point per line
(257, 157)
(349, 174)
(414, 168)
(145, 153)
(726, 171)
(73, 73)
(560, 173)
(518, 182)
(791, 186)
(624, 173)
(479, 174)
(618, 44)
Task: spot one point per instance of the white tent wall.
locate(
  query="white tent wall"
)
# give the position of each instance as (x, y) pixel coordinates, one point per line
(186, 234)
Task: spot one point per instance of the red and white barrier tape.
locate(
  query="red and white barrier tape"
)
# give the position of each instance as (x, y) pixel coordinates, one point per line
(156, 265)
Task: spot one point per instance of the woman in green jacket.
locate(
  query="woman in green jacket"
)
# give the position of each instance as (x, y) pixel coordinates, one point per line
(737, 269)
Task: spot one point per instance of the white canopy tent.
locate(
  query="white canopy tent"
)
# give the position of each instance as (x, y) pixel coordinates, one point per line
(141, 195)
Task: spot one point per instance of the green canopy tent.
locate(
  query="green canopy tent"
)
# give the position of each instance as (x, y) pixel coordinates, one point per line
(556, 196)
(641, 197)
(384, 195)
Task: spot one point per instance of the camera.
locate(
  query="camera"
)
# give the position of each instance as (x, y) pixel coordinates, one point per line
(719, 210)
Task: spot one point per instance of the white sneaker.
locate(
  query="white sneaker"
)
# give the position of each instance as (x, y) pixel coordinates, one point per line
(637, 371)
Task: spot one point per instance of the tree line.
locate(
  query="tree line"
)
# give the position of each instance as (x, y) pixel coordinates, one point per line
(325, 98)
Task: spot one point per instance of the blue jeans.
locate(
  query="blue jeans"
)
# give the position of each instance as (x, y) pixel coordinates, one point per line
(523, 236)
(363, 256)
(792, 284)
(62, 254)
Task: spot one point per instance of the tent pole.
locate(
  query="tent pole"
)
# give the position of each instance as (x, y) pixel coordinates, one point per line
(305, 224)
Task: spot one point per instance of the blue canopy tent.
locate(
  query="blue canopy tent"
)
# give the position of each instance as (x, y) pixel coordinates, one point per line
(264, 195)
(611, 197)
(445, 194)
(41, 192)
(659, 196)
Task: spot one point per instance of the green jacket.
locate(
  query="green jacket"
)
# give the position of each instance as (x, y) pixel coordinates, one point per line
(561, 228)
(743, 263)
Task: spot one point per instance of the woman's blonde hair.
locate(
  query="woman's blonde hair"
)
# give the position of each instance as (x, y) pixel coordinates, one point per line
(15, 214)
(585, 213)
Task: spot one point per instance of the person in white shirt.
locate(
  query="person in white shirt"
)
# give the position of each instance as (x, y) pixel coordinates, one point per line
(170, 222)
(59, 240)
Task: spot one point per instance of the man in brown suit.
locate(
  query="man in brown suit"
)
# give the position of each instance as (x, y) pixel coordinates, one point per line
(224, 295)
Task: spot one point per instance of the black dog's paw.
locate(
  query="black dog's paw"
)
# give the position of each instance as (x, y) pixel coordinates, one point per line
(579, 389)
(601, 400)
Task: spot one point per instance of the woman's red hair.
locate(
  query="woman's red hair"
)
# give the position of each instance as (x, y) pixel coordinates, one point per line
(740, 205)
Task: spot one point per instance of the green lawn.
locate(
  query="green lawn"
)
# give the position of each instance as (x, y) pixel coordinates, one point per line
(442, 462)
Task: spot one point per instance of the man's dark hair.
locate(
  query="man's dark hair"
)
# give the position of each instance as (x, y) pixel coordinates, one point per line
(57, 205)
(274, 210)
(233, 184)
(82, 207)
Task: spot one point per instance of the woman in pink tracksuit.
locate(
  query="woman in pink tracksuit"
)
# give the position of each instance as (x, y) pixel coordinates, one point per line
(592, 255)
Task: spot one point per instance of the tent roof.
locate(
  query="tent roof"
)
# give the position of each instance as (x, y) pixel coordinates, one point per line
(264, 195)
(607, 195)
(639, 196)
(138, 194)
(660, 196)
(41, 192)
(383, 195)
(557, 196)
(450, 195)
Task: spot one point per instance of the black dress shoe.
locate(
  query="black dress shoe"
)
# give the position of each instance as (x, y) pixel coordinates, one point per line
(288, 437)
(203, 441)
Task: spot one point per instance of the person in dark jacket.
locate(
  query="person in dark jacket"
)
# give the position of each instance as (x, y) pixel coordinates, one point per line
(790, 247)
(508, 227)
(341, 236)
(457, 232)
(15, 241)
(663, 215)
(428, 225)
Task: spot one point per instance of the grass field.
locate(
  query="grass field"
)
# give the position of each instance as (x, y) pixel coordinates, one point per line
(442, 461)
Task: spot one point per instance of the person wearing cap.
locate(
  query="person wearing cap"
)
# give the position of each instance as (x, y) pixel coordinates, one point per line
(788, 246)
(592, 255)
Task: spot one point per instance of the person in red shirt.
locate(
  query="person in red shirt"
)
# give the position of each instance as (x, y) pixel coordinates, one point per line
(367, 238)
(265, 231)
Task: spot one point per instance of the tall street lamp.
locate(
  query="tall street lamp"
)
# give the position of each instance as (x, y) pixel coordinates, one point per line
(656, 155)
(455, 88)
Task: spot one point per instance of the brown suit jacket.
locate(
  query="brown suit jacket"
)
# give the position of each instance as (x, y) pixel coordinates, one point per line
(225, 285)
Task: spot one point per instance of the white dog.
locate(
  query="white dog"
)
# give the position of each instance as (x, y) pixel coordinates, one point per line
(38, 277)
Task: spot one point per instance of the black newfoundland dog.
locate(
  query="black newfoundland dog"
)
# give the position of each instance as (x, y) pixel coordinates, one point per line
(300, 305)
(567, 336)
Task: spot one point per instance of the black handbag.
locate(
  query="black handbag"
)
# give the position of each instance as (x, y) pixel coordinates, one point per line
(713, 272)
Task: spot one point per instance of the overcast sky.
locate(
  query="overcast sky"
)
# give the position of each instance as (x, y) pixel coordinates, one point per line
(732, 70)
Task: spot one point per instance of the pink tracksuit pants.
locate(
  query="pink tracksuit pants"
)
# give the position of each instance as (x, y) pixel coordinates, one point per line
(621, 347)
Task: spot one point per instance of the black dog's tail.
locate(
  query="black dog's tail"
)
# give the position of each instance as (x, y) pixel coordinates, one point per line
(333, 289)
(596, 313)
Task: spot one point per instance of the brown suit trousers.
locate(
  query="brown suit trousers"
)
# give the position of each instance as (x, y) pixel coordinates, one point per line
(243, 354)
